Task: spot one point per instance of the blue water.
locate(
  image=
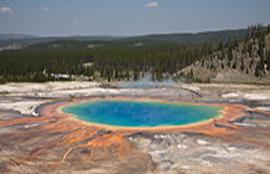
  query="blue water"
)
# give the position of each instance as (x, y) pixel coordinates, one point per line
(141, 114)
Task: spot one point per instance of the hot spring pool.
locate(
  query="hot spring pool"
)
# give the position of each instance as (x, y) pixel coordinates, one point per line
(123, 113)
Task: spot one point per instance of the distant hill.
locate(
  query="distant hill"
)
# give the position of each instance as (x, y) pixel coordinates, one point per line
(247, 61)
(9, 41)
(194, 38)
(15, 37)
(21, 41)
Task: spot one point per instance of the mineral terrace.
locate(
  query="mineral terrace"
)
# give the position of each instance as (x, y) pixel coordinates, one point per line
(35, 138)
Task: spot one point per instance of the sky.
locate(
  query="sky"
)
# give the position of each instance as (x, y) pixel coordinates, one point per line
(128, 17)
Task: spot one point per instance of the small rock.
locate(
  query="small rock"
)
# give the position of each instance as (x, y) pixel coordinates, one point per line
(201, 142)
(231, 148)
(181, 146)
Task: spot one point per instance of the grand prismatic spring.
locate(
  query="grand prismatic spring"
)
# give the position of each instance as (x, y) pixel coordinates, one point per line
(127, 113)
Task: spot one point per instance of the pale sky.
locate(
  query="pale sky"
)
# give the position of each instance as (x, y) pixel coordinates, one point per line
(128, 17)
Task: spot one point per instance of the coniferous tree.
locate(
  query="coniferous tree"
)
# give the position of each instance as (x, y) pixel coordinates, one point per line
(242, 64)
(202, 63)
(259, 70)
(229, 64)
(222, 66)
(268, 61)
(230, 54)
(250, 49)
(39, 77)
(251, 63)
(234, 65)
(261, 47)
(191, 74)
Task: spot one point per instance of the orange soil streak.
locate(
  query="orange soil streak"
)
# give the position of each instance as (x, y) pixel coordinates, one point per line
(79, 134)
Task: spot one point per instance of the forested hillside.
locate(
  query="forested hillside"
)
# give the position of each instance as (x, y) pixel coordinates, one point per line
(241, 56)
(98, 60)
(247, 61)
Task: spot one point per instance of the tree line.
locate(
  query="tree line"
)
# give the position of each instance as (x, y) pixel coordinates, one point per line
(114, 60)
(108, 61)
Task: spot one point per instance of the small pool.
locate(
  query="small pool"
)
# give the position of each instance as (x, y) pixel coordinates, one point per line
(124, 113)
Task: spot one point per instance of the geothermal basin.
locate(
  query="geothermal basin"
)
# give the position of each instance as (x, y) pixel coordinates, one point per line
(129, 113)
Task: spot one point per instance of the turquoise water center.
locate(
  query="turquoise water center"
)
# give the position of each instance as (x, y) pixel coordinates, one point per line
(126, 113)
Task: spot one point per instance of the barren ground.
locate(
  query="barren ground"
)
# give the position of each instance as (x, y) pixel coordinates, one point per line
(34, 142)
